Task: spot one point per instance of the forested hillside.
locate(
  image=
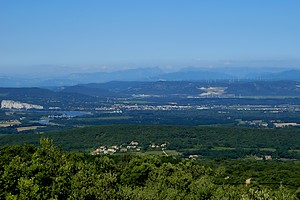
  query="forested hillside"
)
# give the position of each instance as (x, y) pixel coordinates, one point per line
(46, 172)
(207, 141)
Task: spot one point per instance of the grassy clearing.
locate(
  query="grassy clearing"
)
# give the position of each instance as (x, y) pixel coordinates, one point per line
(260, 149)
(222, 148)
(55, 124)
(27, 128)
(294, 150)
(172, 152)
(267, 149)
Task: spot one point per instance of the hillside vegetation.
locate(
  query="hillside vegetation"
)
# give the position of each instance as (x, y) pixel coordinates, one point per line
(207, 141)
(46, 172)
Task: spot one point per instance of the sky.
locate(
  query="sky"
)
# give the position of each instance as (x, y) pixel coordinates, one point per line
(93, 35)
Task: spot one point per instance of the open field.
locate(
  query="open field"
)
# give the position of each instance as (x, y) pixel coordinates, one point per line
(267, 149)
(10, 123)
(295, 150)
(222, 148)
(28, 128)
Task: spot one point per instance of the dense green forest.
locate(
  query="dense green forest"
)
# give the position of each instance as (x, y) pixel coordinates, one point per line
(32, 167)
(207, 141)
(47, 172)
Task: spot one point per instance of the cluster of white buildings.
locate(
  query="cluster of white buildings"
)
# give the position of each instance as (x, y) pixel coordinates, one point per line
(61, 116)
(117, 108)
(164, 145)
(132, 146)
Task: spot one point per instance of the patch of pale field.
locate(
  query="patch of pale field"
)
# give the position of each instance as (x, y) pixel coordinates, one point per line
(19, 129)
(7, 124)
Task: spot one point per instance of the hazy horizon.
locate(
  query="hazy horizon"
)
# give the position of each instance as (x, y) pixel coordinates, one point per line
(63, 37)
(63, 70)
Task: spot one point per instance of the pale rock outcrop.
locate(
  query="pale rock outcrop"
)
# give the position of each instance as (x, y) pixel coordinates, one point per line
(9, 104)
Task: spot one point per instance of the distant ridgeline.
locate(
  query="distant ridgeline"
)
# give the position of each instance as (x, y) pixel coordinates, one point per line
(9, 104)
(199, 89)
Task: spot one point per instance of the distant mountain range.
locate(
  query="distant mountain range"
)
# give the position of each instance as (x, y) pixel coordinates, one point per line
(156, 74)
(190, 88)
(177, 89)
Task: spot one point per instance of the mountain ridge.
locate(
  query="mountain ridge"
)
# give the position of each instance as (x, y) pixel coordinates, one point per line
(151, 74)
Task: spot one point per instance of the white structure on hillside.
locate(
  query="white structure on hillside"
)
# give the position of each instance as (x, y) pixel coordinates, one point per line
(9, 104)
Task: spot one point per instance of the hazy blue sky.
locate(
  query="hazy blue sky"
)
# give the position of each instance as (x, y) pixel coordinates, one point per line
(86, 34)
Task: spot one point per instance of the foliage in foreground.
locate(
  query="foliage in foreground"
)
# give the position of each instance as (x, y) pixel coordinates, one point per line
(46, 172)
